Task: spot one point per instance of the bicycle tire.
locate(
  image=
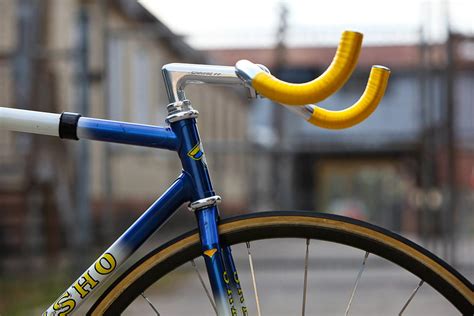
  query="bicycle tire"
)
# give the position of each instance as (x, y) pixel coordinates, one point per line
(328, 227)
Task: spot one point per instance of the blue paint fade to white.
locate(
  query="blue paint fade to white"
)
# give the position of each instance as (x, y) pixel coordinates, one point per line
(249, 23)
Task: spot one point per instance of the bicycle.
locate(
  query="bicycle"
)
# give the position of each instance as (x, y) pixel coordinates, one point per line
(214, 237)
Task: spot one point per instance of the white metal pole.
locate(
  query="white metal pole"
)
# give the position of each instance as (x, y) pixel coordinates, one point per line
(29, 121)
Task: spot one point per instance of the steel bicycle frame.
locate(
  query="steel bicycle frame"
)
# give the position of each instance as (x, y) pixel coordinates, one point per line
(194, 184)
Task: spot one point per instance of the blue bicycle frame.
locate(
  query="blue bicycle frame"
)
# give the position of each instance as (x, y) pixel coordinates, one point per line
(194, 184)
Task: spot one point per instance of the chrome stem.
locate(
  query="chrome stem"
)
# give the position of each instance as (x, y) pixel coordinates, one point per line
(177, 76)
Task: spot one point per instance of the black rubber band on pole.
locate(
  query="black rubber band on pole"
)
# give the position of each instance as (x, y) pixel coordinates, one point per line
(68, 125)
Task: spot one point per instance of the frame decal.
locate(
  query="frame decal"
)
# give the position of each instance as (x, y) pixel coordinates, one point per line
(210, 252)
(196, 152)
(108, 262)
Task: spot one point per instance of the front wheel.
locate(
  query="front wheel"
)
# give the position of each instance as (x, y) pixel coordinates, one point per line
(305, 225)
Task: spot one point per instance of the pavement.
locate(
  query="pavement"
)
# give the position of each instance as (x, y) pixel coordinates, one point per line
(279, 264)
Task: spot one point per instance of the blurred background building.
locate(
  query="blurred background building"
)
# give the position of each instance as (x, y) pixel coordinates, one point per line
(101, 59)
(409, 167)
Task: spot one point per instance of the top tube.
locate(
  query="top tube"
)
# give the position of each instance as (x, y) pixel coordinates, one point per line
(127, 133)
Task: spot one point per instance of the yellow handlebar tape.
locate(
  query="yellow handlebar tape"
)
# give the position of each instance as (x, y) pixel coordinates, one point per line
(329, 82)
(368, 102)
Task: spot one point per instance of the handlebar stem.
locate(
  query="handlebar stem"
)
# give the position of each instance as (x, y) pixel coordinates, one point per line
(177, 76)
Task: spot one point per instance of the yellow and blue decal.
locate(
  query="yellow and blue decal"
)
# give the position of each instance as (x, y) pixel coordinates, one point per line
(196, 152)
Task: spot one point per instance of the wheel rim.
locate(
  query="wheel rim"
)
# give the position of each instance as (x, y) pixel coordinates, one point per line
(334, 228)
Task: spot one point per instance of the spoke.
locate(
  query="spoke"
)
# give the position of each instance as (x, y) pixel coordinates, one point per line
(305, 286)
(151, 305)
(204, 286)
(411, 297)
(359, 275)
(253, 280)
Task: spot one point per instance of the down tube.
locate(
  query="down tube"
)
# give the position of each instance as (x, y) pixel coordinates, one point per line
(156, 215)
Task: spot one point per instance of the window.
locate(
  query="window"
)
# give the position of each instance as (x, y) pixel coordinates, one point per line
(115, 89)
(141, 80)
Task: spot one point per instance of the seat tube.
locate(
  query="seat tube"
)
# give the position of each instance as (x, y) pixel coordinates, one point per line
(194, 164)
